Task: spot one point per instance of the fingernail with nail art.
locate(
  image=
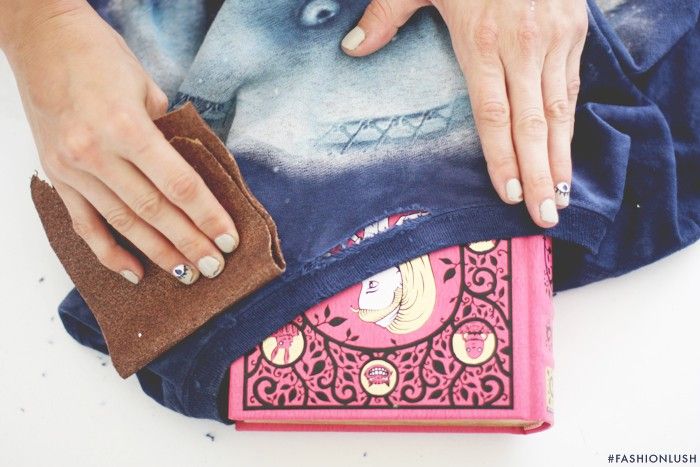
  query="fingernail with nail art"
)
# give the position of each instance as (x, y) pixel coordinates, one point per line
(209, 266)
(561, 194)
(185, 274)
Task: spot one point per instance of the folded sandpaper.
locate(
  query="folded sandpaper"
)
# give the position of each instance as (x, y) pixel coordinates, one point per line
(140, 322)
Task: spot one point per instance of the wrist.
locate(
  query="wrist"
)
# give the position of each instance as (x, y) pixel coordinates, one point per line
(21, 20)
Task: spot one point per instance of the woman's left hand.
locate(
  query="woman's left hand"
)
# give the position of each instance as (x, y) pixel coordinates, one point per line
(520, 59)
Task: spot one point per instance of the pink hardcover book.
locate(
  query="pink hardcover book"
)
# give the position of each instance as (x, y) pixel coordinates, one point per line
(456, 340)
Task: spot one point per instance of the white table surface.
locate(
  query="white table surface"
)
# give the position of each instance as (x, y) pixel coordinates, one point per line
(627, 376)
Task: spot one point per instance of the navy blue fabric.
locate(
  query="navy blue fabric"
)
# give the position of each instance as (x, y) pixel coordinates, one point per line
(636, 161)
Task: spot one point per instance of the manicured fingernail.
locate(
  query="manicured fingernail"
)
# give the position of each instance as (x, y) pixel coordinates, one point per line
(185, 273)
(353, 38)
(130, 276)
(561, 194)
(227, 242)
(514, 190)
(209, 266)
(548, 211)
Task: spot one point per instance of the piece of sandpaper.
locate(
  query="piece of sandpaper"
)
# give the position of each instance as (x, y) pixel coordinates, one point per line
(140, 322)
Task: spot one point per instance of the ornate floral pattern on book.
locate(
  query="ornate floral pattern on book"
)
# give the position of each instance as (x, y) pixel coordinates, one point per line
(433, 332)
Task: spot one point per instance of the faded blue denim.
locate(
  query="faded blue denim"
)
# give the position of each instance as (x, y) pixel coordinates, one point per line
(330, 144)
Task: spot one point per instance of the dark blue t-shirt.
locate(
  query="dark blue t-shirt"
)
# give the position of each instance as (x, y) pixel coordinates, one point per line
(330, 144)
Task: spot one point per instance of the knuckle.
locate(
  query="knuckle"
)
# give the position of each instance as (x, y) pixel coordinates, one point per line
(183, 187)
(532, 123)
(121, 219)
(528, 36)
(485, 38)
(145, 145)
(211, 222)
(190, 246)
(579, 28)
(123, 125)
(149, 205)
(561, 167)
(539, 179)
(557, 111)
(380, 10)
(558, 37)
(161, 256)
(573, 87)
(578, 46)
(81, 146)
(493, 113)
(502, 162)
(82, 227)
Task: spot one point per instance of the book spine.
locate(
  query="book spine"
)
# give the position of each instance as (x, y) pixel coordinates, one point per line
(541, 336)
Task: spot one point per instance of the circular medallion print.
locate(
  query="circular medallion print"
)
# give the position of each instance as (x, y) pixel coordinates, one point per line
(474, 342)
(378, 377)
(284, 346)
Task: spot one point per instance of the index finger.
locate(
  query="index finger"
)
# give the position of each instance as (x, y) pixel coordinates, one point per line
(181, 184)
(489, 102)
(530, 132)
(478, 57)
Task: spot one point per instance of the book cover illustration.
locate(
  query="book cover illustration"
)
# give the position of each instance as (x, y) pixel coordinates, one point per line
(433, 332)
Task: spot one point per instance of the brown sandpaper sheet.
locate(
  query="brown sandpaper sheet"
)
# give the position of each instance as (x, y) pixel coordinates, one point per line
(140, 322)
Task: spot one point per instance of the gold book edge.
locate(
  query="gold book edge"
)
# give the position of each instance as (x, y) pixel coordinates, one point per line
(525, 424)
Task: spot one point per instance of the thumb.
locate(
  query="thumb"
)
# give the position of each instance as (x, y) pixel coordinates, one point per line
(379, 23)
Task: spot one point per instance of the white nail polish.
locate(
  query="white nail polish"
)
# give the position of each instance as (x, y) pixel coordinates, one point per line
(561, 194)
(209, 266)
(353, 39)
(130, 276)
(514, 191)
(185, 274)
(227, 242)
(548, 211)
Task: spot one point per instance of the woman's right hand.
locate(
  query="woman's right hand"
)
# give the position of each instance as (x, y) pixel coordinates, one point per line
(90, 105)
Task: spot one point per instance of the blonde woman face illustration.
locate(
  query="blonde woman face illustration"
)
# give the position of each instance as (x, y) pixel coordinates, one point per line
(379, 292)
(400, 299)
